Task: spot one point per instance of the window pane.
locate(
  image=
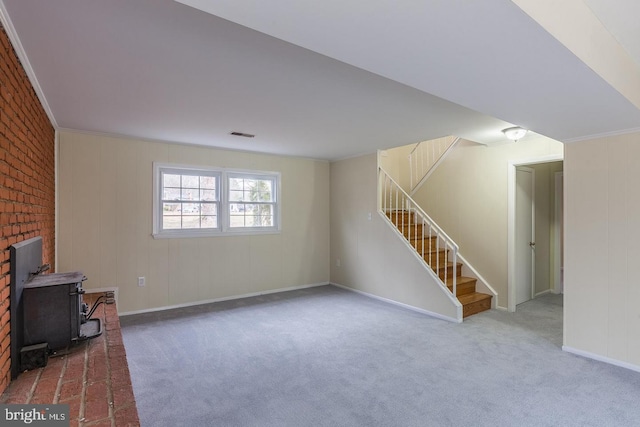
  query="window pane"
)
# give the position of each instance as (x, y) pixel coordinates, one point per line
(236, 221)
(263, 190)
(208, 182)
(189, 181)
(171, 208)
(171, 194)
(236, 207)
(190, 208)
(190, 194)
(171, 222)
(209, 195)
(209, 209)
(209, 222)
(236, 196)
(171, 180)
(251, 215)
(264, 221)
(191, 221)
(236, 183)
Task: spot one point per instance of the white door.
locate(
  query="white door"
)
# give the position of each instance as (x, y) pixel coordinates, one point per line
(525, 234)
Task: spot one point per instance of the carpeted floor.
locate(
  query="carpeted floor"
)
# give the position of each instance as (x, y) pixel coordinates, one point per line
(328, 357)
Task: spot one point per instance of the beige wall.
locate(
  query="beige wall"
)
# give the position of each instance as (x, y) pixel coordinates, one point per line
(467, 196)
(372, 258)
(105, 224)
(602, 231)
(396, 162)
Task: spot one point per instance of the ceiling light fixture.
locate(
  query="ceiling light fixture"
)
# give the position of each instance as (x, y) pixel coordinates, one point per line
(514, 133)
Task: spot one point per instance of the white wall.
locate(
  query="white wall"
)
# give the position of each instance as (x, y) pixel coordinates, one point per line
(602, 235)
(373, 259)
(467, 196)
(105, 225)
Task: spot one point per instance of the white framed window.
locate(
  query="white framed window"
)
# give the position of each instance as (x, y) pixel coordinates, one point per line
(252, 201)
(195, 201)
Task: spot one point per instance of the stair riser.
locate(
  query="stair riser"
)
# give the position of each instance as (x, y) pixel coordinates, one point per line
(476, 307)
(436, 257)
(400, 218)
(413, 232)
(427, 243)
(464, 288)
(449, 271)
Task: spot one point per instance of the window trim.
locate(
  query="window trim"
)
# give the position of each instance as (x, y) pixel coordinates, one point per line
(224, 228)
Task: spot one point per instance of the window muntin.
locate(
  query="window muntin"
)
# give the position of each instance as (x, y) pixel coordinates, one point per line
(198, 201)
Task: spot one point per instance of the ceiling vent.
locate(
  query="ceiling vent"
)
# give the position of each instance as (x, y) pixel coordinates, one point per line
(246, 135)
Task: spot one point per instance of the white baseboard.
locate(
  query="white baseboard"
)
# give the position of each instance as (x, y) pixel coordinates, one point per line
(403, 305)
(600, 358)
(548, 291)
(209, 301)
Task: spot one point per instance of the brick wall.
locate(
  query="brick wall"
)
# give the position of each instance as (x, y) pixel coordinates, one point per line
(27, 179)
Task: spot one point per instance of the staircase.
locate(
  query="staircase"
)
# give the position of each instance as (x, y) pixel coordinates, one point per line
(436, 256)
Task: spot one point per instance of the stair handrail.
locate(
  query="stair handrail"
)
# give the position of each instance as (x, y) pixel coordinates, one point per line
(390, 191)
(418, 170)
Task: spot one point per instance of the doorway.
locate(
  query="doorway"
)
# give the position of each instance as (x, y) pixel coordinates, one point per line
(525, 234)
(532, 229)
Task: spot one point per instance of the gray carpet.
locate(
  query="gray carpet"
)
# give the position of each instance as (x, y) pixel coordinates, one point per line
(328, 357)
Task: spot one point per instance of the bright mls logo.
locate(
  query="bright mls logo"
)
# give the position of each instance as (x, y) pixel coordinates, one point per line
(35, 415)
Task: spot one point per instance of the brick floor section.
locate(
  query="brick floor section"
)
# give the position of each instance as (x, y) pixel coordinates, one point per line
(93, 378)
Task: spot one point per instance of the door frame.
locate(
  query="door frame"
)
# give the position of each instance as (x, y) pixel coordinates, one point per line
(558, 285)
(511, 220)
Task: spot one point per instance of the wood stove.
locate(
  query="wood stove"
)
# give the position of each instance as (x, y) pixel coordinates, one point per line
(47, 310)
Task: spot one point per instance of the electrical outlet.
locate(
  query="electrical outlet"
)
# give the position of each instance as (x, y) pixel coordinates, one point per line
(141, 281)
(338, 262)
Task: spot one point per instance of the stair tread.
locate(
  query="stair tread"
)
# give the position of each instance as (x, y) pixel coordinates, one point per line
(473, 297)
(460, 280)
(441, 265)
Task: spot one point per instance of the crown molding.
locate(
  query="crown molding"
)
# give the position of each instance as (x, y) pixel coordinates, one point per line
(601, 135)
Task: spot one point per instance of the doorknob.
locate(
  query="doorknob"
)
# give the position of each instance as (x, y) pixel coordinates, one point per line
(532, 244)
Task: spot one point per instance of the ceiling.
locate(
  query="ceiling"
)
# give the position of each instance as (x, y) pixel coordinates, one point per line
(325, 80)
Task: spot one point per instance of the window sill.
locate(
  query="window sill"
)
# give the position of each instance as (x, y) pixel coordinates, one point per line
(190, 235)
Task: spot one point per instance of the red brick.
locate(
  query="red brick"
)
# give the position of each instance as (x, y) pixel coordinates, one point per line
(53, 369)
(97, 391)
(26, 143)
(74, 408)
(71, 389)
(45, 391)
(95, 410)
(120, 378)
(127, 417)
(98, 371)
(123, 397)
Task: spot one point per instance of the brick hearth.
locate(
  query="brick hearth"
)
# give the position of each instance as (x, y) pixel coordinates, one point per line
(93, 378)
